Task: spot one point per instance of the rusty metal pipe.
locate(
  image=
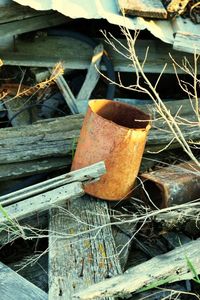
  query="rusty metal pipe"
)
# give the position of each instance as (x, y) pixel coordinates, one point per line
(173, 185)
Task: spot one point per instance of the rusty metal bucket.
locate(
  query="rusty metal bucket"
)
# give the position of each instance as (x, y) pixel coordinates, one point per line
(116, 133)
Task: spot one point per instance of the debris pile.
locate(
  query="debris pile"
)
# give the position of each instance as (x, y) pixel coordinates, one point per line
(59, 239)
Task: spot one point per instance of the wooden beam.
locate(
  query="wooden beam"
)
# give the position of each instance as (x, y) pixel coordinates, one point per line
(187, 36)
(92, 172)
(170, 267)
(16, 19)
(143, 8)
(27, 168)
(81, 247)
(53, 138)
(13, 286)
(25, 208)
(92, 76)
(44, 52)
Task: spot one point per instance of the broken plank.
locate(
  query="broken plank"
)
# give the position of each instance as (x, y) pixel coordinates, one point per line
(92, 172)
(43, 52)
(14, 286)
(53, 138)
(31, 24)
(143, 8)
(41, 202)
(81, 247)
(92, 76)
(170, 267)
(27, 168)
(187, 36)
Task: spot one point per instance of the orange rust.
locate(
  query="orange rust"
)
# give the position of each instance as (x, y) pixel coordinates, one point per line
(116, 133)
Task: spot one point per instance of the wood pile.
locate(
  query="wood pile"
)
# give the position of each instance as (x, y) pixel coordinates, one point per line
(56, 241)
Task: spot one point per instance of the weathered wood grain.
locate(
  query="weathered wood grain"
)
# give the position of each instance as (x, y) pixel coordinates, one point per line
(88, 252)
(187, 36)
(25, 19)
(143, 8)
(89, 173)
(14, 286)
(41, 202)
(92, 76)
(47, 51)
(58, 137)
(54, 138)
(23, 169)
(171, 267)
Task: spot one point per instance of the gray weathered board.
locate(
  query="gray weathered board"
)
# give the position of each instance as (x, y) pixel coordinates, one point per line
(41, 202)
(43, 195)
(47, 51)
(16, 19)
(27, 168)
(55, 138)
(187, 35)
(169, 267)
(81, 247)
(45, 145)
(15, 287)
(143, 8)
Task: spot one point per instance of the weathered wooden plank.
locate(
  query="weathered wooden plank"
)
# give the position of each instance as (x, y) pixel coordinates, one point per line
(14, 11)
(54, 138)
(169, 267)
(47, 51)
(143, 8)
(88, 252)
(92, 172)
(92, 76)
(187, 35)
(31, 24)
(23, 169)
(58, 137)
(67, 94)
(41, 202)
(14, 286)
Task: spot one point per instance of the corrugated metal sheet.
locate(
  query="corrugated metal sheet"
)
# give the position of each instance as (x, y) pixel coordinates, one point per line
(106, 9)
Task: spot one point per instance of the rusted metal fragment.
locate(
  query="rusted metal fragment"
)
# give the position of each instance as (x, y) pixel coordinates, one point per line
(173, 185)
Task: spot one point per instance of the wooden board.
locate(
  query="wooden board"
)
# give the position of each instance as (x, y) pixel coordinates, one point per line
(76, 260)
(143, 8)
(27, 168)
(41, 202)
(47, 51)
(169, 267)
(14, 286)
(187, 35)
(56, 138)
(53, 138)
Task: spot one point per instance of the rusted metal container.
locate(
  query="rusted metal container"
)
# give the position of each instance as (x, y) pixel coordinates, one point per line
(116, 133)
(173, 185)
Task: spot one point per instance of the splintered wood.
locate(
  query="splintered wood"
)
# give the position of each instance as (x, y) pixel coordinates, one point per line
(172, 266)
(143, 8)
(81, 247)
